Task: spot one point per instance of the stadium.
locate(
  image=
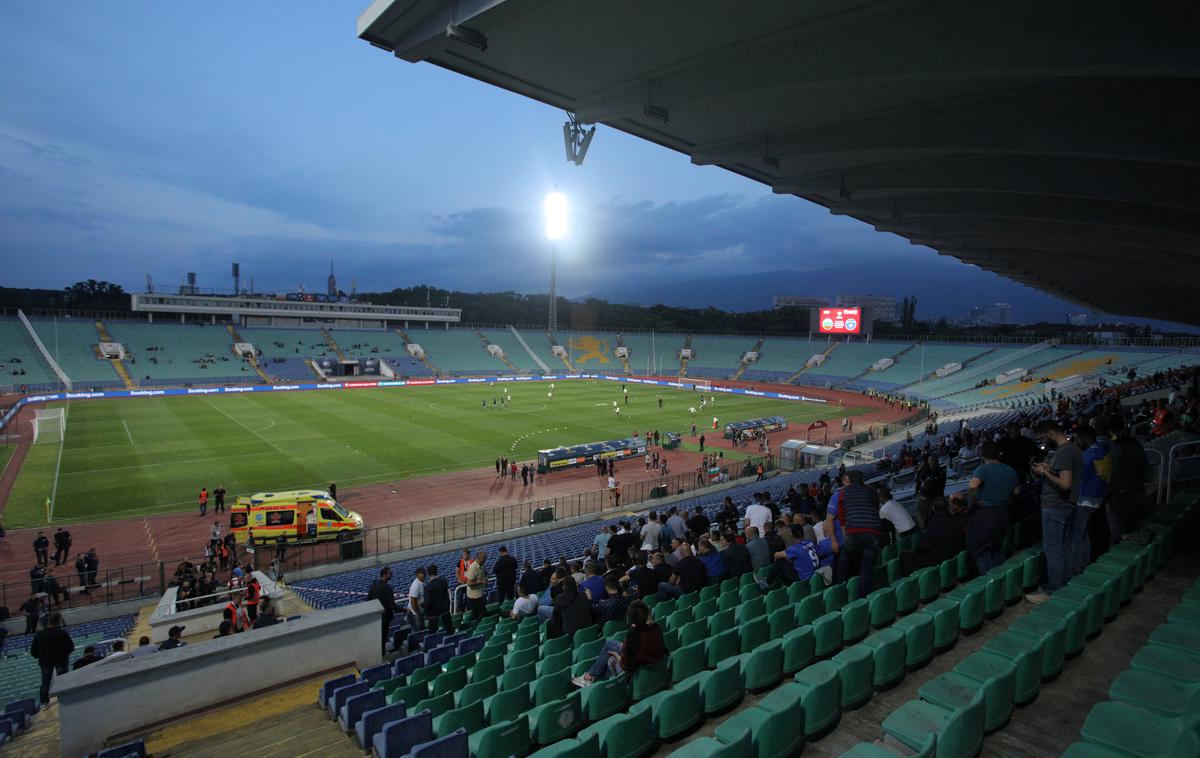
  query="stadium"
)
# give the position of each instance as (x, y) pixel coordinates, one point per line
(714, 543)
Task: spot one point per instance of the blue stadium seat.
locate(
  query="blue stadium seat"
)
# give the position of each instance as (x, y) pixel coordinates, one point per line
(373, 721)
(398, 738)
(326, 691)
(453, 745)
(354, 707)
(134, 749)
(344, 693)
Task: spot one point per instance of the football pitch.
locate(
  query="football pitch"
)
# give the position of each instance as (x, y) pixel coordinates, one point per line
(145, 456)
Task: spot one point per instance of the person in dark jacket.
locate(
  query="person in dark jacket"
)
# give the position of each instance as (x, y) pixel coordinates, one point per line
(688, 574)
(531, 580)
(737, 557)
(89, 657)
(943, 538)
(572, 610)
(643, 646)
(505, 571)
(728, 516)
(931, 484)
(437, 601)
(32, 608)
(52, 647)
(381, 590)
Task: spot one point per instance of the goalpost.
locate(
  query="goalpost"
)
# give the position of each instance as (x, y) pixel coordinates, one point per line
(703, 385)
(50, 427)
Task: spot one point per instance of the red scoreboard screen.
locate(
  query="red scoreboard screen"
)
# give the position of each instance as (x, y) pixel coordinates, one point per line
(840, 320)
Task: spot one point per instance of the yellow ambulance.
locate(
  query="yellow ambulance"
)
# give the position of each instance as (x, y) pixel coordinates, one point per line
(271, 515)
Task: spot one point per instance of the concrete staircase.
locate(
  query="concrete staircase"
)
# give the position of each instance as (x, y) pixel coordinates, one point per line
(117, 364)
(424, 358)
(502, 358)
(625, 360)
(554, 341)
(253, 359)
(683, 362)
(742, 368)
(832, 345)
(333, 345)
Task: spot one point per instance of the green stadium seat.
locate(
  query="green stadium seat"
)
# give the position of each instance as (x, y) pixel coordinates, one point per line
(1031, 569)
(970, 607)
(556, 720)
(555, 645)
(462, 662)
(945, 622)
(1052, 633)
(670, 639)
(835, 597)
(527, 656)
(571, 748)
(1139, 560)
(612, 627)
(551, 687)
(959, 732)
(741, 746)
(778, 598)
(856, 620)
(1073, 618)
(906, 595)
(952, 691)
(797, 591)
(648, 680)
(918, 639)
(721, 646)
(476, 691)
(928, 584)
(1110, 586)
(678, 619)
(728, 600)
(585, 652)
(623, 735)
(762, 667)
(1185, 613)
(1092, 603)
(809, 609)
(872, 750)
(502, 740)
(721, 688)
(390, 685)
(674, 711)
(720, 621)
(1137, 732)
(882, 603)
(409, 694)
(889, 651)
(947, 574)
(514, 676)
(469, 717)
(606, 697)
(781, 621)
(998, 677)
(728, 585)
(1177, 636)
(451, 681)
(560, 660)
(1156, 693)
(747, 581)
(487, 668)
(688, 660)
(964, 566)
(821, 697)
(799, 649)
(507, 705)
(851, 586)
(772, 724)
(688, 601)
(700, 609)
(435, 705)
(1010, 575)
(711, 592)
(425, 674)
(827, 634)
(856, 669)
(751, 609)
(1167, 661)
(1088, 750)
(1026, 654)
(753, 633)
(666, 607)
(696, 631)
(993, 593)
(1122, 573)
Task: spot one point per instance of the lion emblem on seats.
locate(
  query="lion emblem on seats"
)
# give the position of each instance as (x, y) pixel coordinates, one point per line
(589, 348)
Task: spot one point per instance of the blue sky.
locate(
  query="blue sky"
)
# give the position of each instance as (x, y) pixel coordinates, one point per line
(161, 138)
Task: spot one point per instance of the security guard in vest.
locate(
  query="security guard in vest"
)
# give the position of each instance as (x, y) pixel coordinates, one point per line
(250, 603)
(234, 613)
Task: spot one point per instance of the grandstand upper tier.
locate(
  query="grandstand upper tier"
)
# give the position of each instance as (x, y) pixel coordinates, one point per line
(160, 354)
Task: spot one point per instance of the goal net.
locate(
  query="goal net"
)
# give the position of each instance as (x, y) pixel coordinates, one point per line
(703, 385)
(49, 425)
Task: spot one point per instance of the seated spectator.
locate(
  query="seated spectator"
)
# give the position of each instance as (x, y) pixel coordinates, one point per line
(714, 564)
(756, 546)
(687, 576)
(89, 657)
(643, 646)
(640, 579)
(735, 555)
(547, 598)
(526, 603)
(531, 581)
(224, 630)
(613, 605)
(593, 583)
(571, 611)
(144, 647)
(173, 639)
(117, 653)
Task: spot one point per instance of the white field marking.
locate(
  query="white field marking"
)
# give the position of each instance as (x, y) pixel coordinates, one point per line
(127, 434)
(235, 420)
(62, 442)
(270, 422)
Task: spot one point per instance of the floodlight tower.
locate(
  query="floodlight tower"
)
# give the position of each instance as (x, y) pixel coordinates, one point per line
(555, 209)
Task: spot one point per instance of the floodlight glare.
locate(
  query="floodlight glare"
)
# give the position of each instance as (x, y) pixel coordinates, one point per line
(555, 209)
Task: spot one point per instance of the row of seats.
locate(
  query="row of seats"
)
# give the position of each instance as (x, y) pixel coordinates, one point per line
(957, 709)
(20, 676)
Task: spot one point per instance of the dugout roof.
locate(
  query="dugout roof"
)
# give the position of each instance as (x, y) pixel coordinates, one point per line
(1054, 143)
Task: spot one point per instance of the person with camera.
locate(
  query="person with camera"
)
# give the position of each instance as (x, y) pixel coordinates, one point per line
(1060, 477)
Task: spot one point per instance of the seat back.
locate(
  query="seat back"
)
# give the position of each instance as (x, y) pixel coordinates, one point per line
(551, 687)
(650, 679)
(453, 745)
(398, 738)
(451, 681)
(373, 674)
(356, 706)
(559, 719)
(688, 660)
(373, 719)
(469, 717)
(477, 691)
(408, 664)
(517, 675)
(436, 705)
(963, 733)
(329, 686)
(439, 655)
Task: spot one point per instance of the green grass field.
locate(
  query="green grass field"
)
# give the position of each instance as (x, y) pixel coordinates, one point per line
(143, 456)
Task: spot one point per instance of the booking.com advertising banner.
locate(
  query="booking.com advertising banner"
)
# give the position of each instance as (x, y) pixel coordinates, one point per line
(373, 384)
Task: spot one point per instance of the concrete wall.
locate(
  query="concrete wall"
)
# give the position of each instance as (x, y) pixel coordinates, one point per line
(206, 618)
(122, 697)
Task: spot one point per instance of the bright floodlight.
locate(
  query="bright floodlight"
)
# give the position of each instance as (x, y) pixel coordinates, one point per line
(556, 215)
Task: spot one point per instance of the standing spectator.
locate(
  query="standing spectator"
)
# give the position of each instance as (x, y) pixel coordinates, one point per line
(219, 499)
(477, 586)
(1060, 493)
(81, 570)
(92, 563)
(677, 523)
(381, 590)
(698, 525)
(505, 571)
(52, 647)
(437, 601)
(892, 511)
(601, 543)
(531, 581)
(990, 490)
(1092, 493)
(214, 535)
(234, 614)
(202, 499)
(41, 549)
(758, 514)
(333, 490)
(1127, 479)
(862, 528)
(651, 533)
(32, 608)
(253, 595)
(62, 546)
(464, 561)
(416, 599)
(931, 483)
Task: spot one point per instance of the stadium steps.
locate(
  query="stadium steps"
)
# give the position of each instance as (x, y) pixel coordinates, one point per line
(424, 359)
(742, 368)
(502, 357)
(870, 369)
(312, 366)
(965, 363)
(233, 334)
(624, 359)
(792, 379)
(117, 364)
(554, 341)
(683, 362)
(333, 345)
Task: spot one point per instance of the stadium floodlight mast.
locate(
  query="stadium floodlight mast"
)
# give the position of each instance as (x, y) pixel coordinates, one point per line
(555, 209)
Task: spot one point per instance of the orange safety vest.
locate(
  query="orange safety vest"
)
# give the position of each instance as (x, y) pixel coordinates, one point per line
(235, 615)
(252, 593)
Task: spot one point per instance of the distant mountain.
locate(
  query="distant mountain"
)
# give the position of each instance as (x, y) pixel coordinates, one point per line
(942, 288)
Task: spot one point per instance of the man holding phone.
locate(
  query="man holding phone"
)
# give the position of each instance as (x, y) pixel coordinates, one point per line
(1060, 477)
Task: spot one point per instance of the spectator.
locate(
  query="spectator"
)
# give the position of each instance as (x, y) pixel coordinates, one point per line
(1061, 478)
(643, 646)
(416, 599)
(571, 611)
(531, 581)
(526, 603)
(1092, 492)
(32, 608)
(601, 542)
(173, 639)
(931, 483)
(613, 604)
(224, 630)
(697, 525)
(651, 533)
(253, 595)
(117, 652)
(464, 562)
(861, 549)
(941, 540)
(53, 589)
(756, 546)
(437, 601)
(41, 549)
(714, 564)
(895, 513)
(235, 614)
(505, 571)
(477, 586)
(676, 523)
(144, 648)
(266, 615)
(576, 569)
(92, 563)
(381, 590)
(1127, 479)
(990, 491)
(593, 584)
(735, 555)
(52, 647)
(728, 515)
(687, 575)
(88, 658)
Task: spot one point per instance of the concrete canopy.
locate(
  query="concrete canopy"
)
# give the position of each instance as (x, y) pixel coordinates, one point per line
(1055, 143)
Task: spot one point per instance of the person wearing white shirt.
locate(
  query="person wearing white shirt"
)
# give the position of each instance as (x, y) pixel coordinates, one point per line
(525, 605)
(758, 515)
(894, 512)
(416, 598)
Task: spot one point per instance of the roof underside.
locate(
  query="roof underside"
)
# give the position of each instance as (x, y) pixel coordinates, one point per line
(1055, 143)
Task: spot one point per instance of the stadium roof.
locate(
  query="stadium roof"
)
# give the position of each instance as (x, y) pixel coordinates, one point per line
(1054, 143)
